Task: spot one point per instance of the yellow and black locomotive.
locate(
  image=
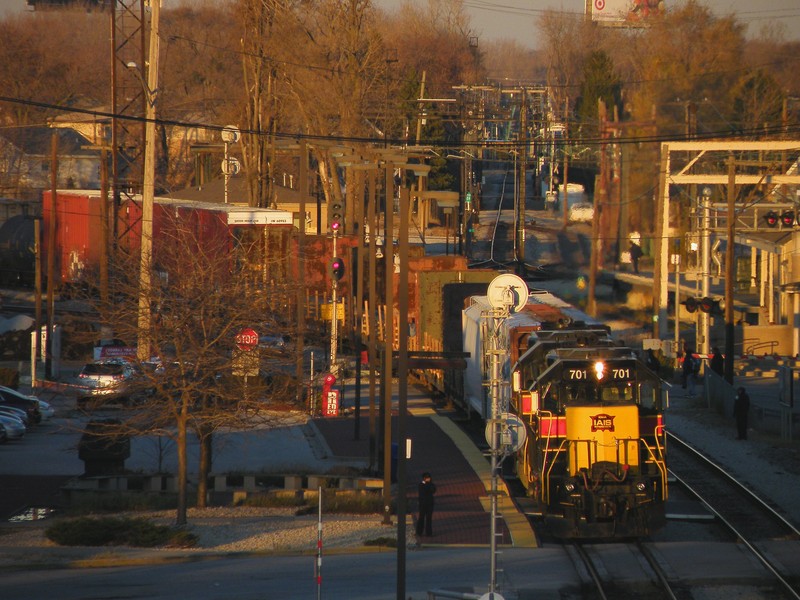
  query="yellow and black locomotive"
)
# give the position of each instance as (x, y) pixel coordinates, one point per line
(594, 459)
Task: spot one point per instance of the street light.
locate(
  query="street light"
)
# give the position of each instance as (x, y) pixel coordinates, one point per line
(148, 185)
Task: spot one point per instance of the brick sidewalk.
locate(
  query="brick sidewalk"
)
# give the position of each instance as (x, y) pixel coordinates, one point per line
(459, 517)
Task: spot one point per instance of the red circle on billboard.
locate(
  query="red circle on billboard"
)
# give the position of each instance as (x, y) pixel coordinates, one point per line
(247, 339)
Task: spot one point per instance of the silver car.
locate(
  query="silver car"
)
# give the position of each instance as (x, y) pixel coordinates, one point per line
(105, 379)
(17, 413)
(13, 427)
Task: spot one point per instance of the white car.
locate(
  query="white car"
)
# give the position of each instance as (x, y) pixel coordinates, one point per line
(581, 212)
(45, 408)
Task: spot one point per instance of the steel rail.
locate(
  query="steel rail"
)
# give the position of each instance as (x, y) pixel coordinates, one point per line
(755, 497)
(660, 574)
(588, 563)
(750, 545)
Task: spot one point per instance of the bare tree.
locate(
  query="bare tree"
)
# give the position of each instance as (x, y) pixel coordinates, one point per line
(197, 381)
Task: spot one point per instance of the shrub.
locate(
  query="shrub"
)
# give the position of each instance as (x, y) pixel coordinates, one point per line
(114, 503)
(274, 500)
(388, 542)
(114, 531)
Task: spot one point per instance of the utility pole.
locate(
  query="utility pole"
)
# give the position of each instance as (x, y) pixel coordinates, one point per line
(148, 190)
(522, 155)
(51, 256)
(729, 271)
(566, 162)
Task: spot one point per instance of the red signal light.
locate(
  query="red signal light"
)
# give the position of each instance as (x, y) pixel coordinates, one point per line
(771, 218)
(337, 268)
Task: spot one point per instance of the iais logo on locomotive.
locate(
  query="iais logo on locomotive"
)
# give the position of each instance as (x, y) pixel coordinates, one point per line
(602, 422)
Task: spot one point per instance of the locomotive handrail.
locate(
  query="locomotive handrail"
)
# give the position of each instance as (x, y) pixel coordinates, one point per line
(660, 463)
(546, 482)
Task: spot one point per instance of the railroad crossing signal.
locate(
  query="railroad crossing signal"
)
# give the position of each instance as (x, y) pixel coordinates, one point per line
(337, 214)
(706, 305)
(337, 268)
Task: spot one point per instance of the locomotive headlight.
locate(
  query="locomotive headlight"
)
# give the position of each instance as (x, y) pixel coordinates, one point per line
(569, 486)
(599, 370)
(641, 486)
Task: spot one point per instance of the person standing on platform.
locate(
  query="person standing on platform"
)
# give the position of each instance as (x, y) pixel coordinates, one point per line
(652, 362)
(426, 492)
(689, 368)
(717, 362)
(636, 253)
(741, 407)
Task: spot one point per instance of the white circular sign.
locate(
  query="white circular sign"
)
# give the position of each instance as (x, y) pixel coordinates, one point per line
(512, 433)
(508, 291)
(231, 166)
(230, 134)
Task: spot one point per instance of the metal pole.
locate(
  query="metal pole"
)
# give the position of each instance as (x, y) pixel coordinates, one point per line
(496, 317)
(334, 314)
(319, 543)
(677, 261)
(388, 346)
(730, 271)
(226, 172)
(402, 378)
(148, 189)
(705, 257)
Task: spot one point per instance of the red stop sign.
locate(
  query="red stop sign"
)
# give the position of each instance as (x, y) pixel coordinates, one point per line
(247, 339)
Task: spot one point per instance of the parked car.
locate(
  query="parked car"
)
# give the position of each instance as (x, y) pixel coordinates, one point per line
(107, 380)
(14, 398)
(14, 429)
(581, 212)
(45, 408)
(18, 413)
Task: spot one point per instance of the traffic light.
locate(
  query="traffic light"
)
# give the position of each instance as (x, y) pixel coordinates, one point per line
(706, 305)
(336, 216)
(337, 268)
(710, 306)
(771, 218)
(787, 218)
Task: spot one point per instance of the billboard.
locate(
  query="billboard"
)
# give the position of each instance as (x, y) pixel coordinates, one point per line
(625, 12)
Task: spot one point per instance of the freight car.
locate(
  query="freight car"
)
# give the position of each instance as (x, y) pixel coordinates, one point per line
(593, 460)
(79, 226)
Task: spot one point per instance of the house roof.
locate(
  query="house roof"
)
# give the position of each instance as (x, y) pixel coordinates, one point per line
(37, 141)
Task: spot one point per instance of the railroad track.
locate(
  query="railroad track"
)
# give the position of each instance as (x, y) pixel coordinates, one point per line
(651, 580)
(748, 517)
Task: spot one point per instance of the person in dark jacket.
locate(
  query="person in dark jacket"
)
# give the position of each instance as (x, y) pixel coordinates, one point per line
(426, 492)
(717, 362)
(741, 407)
(652, 362)
(636, 253)
(688, 369)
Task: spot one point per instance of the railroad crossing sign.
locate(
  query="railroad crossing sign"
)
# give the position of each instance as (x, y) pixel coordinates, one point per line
(247, 339)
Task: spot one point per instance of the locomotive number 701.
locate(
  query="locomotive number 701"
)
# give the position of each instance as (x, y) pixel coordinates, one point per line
(583, 374)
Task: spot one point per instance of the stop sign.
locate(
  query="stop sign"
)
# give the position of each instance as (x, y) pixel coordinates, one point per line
(247, 339)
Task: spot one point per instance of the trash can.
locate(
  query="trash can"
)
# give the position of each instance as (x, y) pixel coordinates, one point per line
(103, 449)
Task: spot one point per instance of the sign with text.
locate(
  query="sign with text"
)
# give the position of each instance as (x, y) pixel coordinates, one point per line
(330, 403)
